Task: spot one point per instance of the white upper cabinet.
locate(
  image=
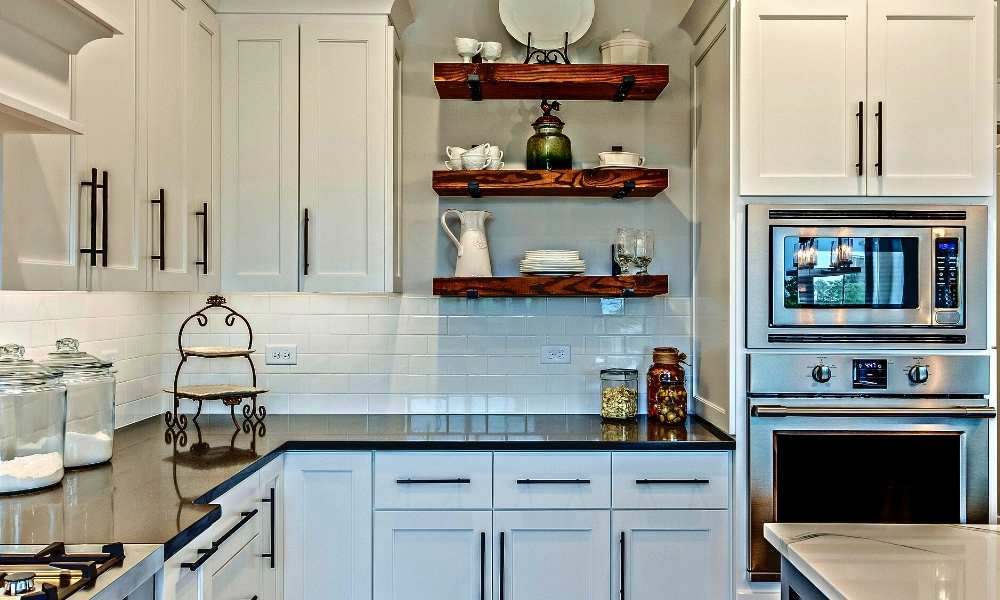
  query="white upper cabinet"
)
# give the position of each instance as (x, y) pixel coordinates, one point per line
(310, 198)
(260, 153)
(931, 84)
(867, 97)
(802, 82)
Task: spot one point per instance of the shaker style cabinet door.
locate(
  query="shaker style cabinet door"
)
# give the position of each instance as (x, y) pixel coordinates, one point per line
(552, 555)
(683, 551)
(272, 531)
(260, 153)
(106, 101)
(437, 555)
(930, 81)
(328, 525)
(347, 142)
(802, 90)
(235, 575)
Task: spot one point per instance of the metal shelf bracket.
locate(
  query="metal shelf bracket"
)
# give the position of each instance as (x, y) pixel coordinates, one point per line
(628, 82)
(472, 294)
(474, 190)
(626, 190)
(475, 87)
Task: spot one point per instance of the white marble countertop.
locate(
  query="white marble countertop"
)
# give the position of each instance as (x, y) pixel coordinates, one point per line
(894, 562)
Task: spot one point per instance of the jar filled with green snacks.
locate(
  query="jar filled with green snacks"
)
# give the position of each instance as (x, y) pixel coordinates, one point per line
(619, 394)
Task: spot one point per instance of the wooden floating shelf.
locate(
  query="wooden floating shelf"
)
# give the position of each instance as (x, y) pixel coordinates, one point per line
(586, 183)
(217, 352)
(507, 81)
(217, 392)
(594, 286)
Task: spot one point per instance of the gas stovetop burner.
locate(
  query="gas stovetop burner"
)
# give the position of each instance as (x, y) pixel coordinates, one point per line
(52, 574)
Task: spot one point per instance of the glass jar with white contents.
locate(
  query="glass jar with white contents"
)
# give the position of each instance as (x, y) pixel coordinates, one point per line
(32, 423)
(90, 403)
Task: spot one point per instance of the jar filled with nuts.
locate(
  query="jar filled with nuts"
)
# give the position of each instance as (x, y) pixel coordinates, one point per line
(671, 403)
(619, 394)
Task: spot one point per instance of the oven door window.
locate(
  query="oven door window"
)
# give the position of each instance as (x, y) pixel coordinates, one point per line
(851, 272)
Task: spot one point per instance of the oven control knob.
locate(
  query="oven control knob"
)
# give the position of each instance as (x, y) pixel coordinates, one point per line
(822, 374)
(918, 374)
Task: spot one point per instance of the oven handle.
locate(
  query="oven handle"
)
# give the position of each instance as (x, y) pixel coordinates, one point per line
(956, 412)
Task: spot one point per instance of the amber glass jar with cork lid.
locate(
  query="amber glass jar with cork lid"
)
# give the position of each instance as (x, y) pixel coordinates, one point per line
(666, 395)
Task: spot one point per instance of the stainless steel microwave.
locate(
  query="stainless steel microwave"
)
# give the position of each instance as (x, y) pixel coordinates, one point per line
(895, 276)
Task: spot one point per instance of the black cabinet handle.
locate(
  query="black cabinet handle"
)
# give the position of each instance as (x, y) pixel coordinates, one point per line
(553, 482)
(162, 256)
(482, 565)
(878, 120)
(501, 564)
(671, 481)
(206, 553)
(621, 548)
(204, 240)
(861, 138)
(457, 480)
(94, 186)
(270, 500)
(305, 242)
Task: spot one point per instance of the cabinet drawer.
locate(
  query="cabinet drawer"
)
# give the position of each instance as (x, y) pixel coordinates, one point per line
(670, 480)
(551, 480)
(433, 480)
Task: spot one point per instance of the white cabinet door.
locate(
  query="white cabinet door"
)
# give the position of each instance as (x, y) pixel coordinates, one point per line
(260, 153)
(233, 575)
(432, 555)
(203, 160)
(346, 152)
(167, 90)
(802, 82)
(272, 531)
(684, 551)
(930, 80)
(328, 525)
(106, 101)
(552, 555)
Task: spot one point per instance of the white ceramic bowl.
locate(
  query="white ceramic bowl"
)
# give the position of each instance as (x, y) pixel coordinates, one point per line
(474, 161)
(622, 159)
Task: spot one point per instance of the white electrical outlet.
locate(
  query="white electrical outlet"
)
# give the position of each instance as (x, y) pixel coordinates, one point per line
(282, 354)
(556, 355)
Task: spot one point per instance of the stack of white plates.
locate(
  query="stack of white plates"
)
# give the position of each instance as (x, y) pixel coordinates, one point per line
(552, 262)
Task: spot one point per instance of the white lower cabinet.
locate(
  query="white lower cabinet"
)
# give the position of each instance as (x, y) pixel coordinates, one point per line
(272, 529)
(552, 555)
(328, 525)
(442, 555)
(234, 575)
(683, 551)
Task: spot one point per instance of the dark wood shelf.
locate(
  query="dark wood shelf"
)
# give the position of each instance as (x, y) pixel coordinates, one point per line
(595, 286)
(507, 81)
(586, 183)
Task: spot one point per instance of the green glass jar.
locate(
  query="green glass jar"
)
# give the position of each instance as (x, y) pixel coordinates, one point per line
(549, 148)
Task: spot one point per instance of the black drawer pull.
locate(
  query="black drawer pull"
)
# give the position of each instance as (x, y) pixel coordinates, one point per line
(204, 240)
(206, 553)
(671, 481)
(553, 482)
(270, 500)
(161, 201)
(457, 480)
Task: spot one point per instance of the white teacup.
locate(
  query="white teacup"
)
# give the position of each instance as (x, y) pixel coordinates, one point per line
(491, 51)
(474, 161)
(495, 153)
(495, 164)
(467, 48)
(454, 164)
(454, 152)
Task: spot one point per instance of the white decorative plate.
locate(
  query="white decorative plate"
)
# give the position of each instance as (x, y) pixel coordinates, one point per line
(548, 21)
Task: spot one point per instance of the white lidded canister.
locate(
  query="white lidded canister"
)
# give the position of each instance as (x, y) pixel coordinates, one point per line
(32, 423)
(626, 49)
(90, 404)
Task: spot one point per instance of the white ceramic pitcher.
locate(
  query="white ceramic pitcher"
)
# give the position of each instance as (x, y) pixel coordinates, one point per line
(473, 249)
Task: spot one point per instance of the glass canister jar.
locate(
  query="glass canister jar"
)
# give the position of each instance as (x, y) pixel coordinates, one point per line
(90, 404)
(666, 397)
(619, 394)
(32, 423)
(549, 148)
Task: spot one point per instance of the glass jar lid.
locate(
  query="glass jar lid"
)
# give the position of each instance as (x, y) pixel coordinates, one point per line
(69, 359)
(619, 375)
(17, 371)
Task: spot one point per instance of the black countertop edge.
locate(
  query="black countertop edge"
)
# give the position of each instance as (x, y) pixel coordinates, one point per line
(185, 537)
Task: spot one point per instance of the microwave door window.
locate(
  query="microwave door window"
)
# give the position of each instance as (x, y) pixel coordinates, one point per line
(851, 272)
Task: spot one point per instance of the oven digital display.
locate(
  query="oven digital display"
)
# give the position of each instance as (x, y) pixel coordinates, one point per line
(871, 373)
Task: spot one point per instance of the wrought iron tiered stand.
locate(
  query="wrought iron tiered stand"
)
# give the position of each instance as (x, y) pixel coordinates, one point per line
(230, 395)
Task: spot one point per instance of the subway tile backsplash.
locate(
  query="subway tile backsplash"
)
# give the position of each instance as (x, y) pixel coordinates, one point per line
(361, 353)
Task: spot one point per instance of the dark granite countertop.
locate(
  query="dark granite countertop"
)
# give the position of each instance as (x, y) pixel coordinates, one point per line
(156, 491)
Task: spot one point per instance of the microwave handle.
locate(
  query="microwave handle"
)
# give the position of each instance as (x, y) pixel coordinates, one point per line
(956, 412)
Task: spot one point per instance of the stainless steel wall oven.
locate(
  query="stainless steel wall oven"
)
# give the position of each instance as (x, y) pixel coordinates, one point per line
(892, 276)
(865, 439)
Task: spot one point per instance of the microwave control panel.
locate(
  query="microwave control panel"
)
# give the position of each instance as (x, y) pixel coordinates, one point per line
(946, 273)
